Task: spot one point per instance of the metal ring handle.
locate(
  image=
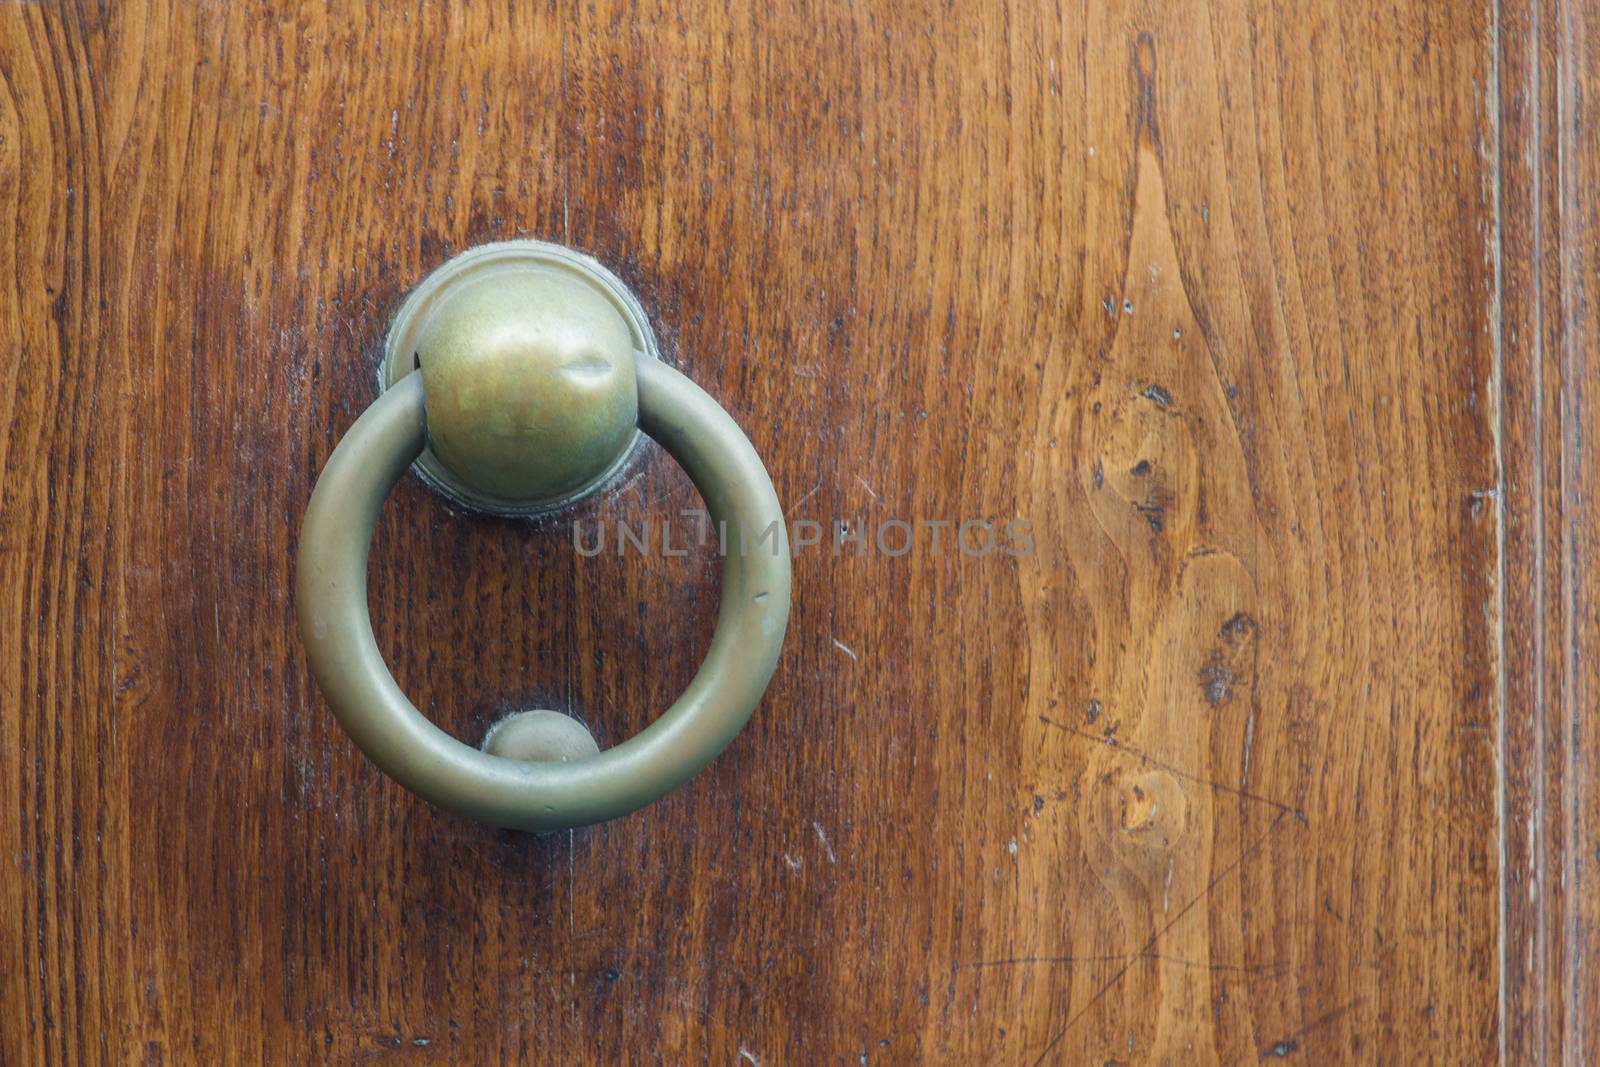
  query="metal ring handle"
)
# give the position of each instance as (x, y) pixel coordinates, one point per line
(331, 598)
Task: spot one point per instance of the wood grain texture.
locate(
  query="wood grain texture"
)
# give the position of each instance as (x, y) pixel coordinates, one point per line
(1551, 805)
(1275, 320)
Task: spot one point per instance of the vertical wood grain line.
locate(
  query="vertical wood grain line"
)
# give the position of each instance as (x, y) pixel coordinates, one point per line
(1571, 487)
(1518, 421)
(1539, 844)
(1498, 392)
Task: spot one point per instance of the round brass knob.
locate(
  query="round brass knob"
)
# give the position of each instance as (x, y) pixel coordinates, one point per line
(527, 377)
(527, 352)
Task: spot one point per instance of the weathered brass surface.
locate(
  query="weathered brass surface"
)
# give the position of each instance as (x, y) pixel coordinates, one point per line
(527, 354)
(540, 735)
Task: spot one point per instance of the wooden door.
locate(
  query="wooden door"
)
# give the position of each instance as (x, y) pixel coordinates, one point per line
(1274, 320)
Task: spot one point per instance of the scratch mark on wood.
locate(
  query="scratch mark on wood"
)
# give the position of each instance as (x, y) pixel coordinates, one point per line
(1287, 1046)
(817, 826)
(1249, 741)
(1144, 757)
(1155, 938)
(809, 494)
